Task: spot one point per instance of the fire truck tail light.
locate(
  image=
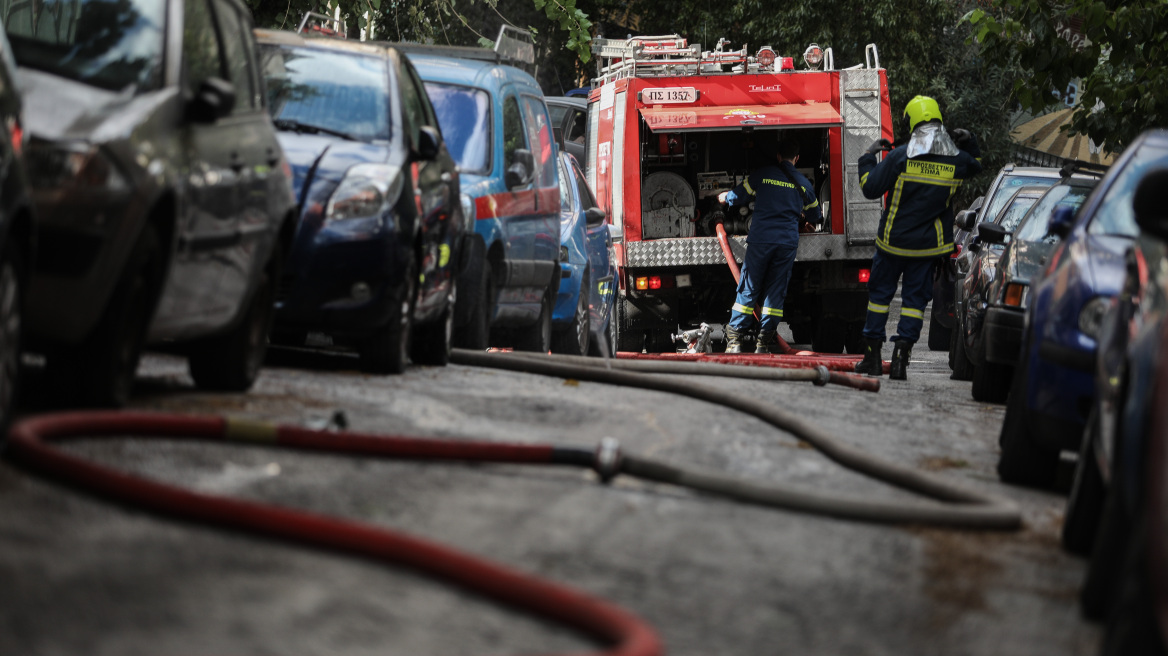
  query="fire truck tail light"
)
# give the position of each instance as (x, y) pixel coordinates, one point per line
(642, 283)
(865, 275)
(654, 282)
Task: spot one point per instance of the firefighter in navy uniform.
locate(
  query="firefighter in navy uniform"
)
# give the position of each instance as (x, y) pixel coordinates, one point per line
(782, 196)
(916, 227)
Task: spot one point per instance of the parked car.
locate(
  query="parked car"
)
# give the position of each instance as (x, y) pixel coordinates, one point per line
(947, 277)
(1051, 395)
(1004, 301)
(17, 235)
(979, 260)
(161, 193)
(583, 321)
(570, 124)
(379, 239)
(497, 127)
(1123, 464)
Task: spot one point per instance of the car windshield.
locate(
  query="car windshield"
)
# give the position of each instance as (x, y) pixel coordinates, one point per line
(1114, 215)
(1012, 215)
(1006, 190)
(109, 44)
(464, 114)
(324, 91)
(1035, 224)
(565, 194)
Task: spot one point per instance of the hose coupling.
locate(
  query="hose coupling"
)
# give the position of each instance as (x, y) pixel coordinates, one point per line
(608, 459)
(822, 376)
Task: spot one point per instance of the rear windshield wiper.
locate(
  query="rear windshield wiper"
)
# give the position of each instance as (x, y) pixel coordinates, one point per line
(297, 126)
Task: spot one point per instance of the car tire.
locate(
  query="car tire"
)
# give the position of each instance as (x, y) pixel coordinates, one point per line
(1132, 626)
(1104, 567)
(231, 362)
(11, 331)
(100, 371)
(962, 368)
(1085, 502)
(628, 338)
(1021, 461)
(387, 350)
(938, 334)
(573, 339)
(991, 381)
(538, 336)
(475, 334)
(470, 278)
(432, 346)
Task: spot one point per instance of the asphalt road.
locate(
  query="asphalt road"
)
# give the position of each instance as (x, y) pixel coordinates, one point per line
(83, 576)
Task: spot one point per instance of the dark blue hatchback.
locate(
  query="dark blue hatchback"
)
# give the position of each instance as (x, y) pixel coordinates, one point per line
(1052, 393)
(378, 243)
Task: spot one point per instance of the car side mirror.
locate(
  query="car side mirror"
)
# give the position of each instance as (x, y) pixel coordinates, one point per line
(594, 216)
(992, 233)
(429, 142)
(520, 171)
(964, 219)
(1062, 220)
(616, 233)
(1148, 204)
(214, 100)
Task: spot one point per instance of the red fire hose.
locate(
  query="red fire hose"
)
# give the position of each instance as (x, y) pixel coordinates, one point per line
(30, 445)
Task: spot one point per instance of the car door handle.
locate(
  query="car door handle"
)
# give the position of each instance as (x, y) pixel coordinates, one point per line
(236, 162)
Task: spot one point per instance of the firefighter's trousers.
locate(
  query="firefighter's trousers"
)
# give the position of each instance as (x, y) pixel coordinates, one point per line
(765, 274)
(916, 277)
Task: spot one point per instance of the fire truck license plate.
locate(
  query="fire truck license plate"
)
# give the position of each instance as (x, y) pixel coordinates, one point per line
(669, 95)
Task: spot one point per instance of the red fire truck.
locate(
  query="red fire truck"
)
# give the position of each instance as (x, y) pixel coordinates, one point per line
(671, 126)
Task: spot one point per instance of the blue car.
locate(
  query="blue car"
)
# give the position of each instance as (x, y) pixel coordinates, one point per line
(1051, 396)
(380, 234)
(496, 123)
(583, 322)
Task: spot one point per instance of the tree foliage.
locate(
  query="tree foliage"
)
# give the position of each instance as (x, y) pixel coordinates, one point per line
(1117, 49)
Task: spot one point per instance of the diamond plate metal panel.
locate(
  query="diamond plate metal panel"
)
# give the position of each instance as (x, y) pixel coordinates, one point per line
(860, 110)
(681, 252)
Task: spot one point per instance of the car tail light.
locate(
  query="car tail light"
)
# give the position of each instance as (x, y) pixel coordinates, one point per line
(865, 275)
(1015, 294)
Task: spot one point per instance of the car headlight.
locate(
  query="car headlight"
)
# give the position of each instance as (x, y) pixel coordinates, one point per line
(367, 190)
(56, 166)
(1091, 316)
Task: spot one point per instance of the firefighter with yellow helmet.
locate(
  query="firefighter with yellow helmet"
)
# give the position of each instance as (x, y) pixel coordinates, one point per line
(916, 227)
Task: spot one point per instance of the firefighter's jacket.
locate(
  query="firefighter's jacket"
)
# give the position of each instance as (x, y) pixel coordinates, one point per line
(782, 196)
(918, 221)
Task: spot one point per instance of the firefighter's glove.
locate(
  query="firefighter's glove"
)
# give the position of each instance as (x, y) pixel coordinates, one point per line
(879, 145)
(961, 137)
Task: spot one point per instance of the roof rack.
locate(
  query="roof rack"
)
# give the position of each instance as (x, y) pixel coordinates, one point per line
(514, 47)
(321, 25)
(1073, 166)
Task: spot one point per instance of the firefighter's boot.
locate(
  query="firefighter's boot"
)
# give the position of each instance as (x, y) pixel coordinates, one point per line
(768, 342)
(733, 340)
(872, 364)
(900, 356)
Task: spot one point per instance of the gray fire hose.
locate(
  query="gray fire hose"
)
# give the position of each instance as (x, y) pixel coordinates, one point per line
(963, 508)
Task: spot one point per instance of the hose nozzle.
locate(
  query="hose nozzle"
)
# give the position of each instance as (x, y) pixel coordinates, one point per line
(608, 459)
(697, 339)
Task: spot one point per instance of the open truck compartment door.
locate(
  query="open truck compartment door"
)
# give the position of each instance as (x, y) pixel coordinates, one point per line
(672, 127)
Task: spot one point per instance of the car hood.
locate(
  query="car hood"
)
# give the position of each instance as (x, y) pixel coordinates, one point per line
(323, 160)
(1027, 259)
(57, 108)
(1105, 262)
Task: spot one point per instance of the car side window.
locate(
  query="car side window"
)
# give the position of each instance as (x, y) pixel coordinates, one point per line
(514, 136)
(238, 64)
(413, 113)
(201, 56)
(539, 134)
(577, 127)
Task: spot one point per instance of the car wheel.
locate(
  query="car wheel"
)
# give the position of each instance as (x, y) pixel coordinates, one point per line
(432, 346)
(1132, 626)
(387, 350)
(476, 333)
(573, 339)
(11, 320)
(1085, 503)
(231, 362)
(1103, 570)
(538, 336)
(991, 381)
(1022, 462)
(628, 338)
(100, 371)
(938, 335)
(962, 367)
(606, 348)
